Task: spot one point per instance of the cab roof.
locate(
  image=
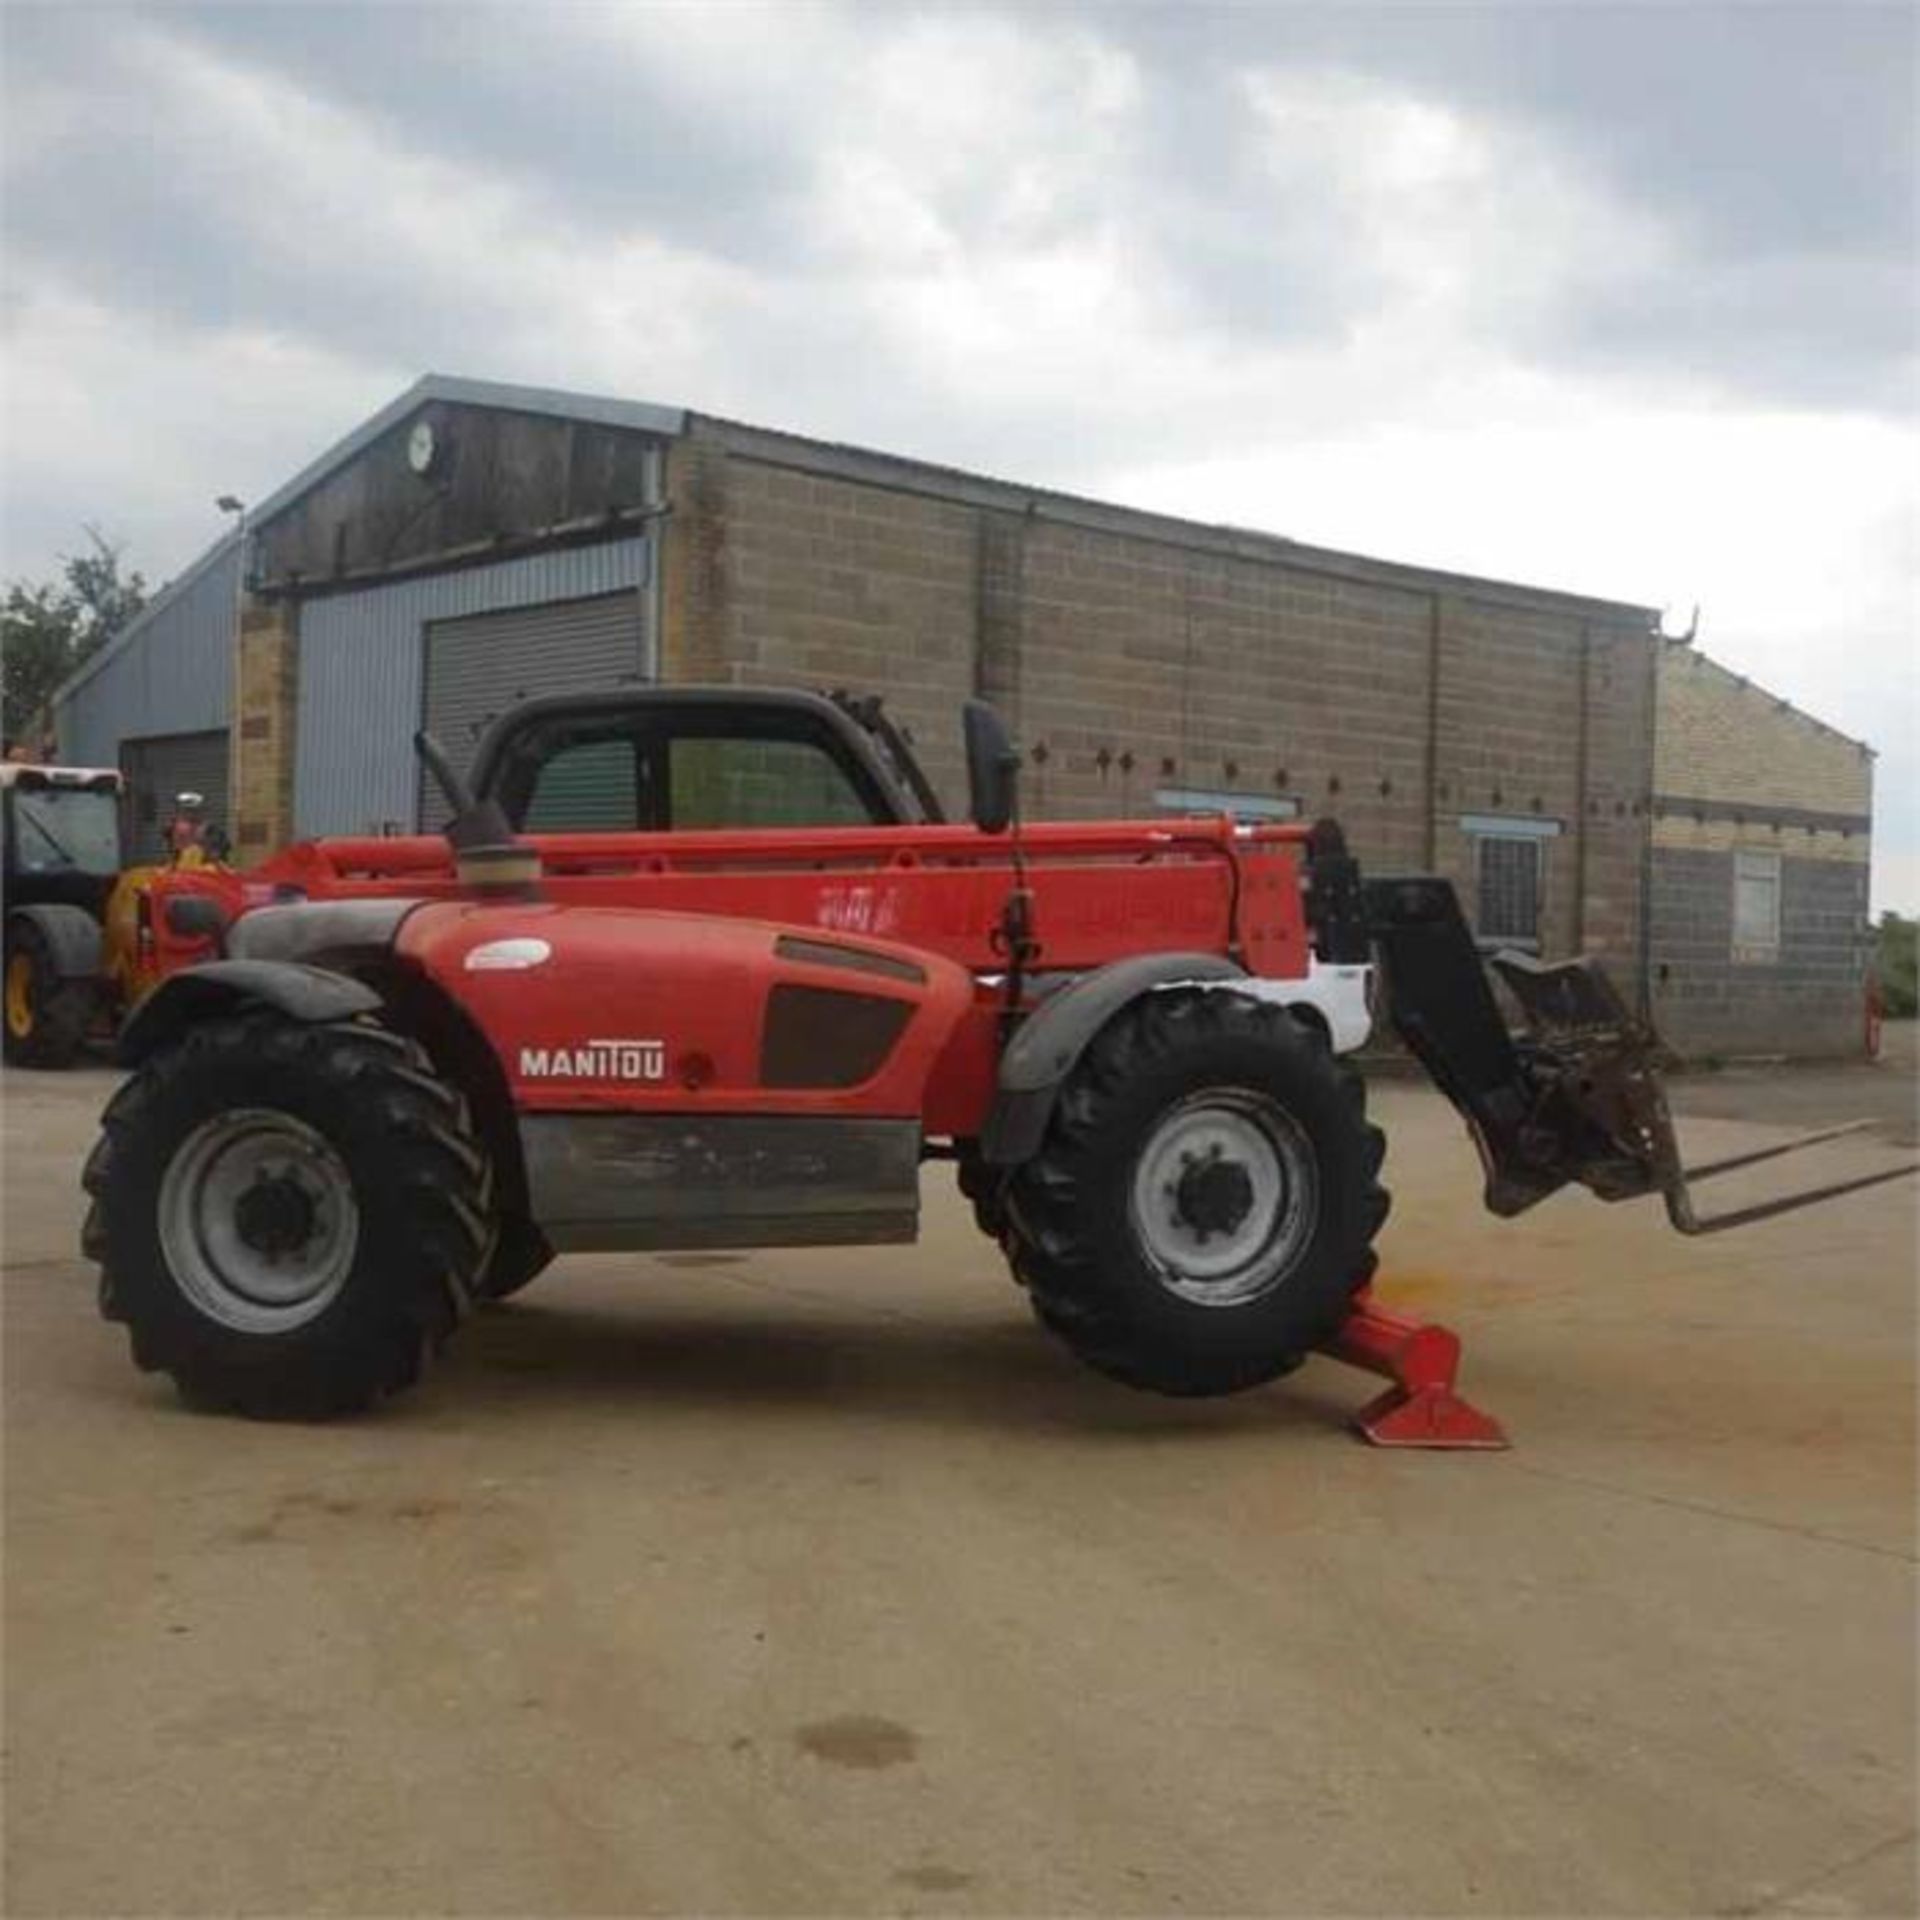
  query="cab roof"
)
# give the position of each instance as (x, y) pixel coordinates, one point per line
(38, 775)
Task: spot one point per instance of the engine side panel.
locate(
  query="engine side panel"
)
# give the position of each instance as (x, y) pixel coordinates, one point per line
(628, 1010)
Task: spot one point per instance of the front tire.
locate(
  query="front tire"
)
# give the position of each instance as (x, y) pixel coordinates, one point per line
(47, 1016)
(289, 1219)
(1204, 1204)
(520, 1255)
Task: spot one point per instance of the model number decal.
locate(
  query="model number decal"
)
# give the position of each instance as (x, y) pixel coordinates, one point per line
(596, 1060)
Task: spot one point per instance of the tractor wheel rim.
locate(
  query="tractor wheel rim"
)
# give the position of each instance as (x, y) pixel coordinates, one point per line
(258, 1221)
(1225, 1197)
(20, 995)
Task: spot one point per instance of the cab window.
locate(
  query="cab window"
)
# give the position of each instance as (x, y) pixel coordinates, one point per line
(65, 830)
(586, 786)
(739, 782)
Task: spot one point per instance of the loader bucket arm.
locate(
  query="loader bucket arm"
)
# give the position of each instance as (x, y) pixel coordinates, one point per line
(1575, 1096)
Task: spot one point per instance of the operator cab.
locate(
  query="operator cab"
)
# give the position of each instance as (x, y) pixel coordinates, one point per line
(62, 832)
(680, 759)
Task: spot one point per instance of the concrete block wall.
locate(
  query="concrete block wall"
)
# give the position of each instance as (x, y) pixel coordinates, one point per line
(779, 577)
(1737, 768)
(1144, 665)
(1720, 737)
(1543, 713)
(1806, 1002)
(1130, 653)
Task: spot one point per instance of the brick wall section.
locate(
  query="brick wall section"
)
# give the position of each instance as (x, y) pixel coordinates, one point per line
(1545, 715)
(266, 688)
(794, 579)
(1130, 652)
(1144, 665)
(1806, 1003)
(1721, 738)
(695, 598)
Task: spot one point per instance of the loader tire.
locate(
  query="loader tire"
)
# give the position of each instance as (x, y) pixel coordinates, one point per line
(983, 1187)
(47, 1017)
(289, 1219)
(1205, 1200)
(517, 1259)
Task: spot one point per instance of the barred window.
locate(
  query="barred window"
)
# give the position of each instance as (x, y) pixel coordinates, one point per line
(1509, 909)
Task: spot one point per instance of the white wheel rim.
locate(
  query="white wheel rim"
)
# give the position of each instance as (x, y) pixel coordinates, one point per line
(1225, 1197)
(258, 1222)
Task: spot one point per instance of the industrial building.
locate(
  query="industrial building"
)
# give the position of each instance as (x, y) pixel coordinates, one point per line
(475, 543)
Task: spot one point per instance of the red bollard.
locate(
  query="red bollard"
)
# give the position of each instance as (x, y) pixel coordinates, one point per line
(1422, 1360)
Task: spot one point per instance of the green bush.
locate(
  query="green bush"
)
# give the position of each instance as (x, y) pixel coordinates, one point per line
(1893, 962)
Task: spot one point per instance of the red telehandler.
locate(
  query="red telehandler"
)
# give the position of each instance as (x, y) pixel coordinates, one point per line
(405, 1072)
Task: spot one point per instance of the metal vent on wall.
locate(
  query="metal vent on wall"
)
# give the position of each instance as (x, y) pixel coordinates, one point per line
(479, 666)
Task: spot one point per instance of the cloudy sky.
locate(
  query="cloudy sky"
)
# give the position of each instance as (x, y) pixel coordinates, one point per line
(1618, 298)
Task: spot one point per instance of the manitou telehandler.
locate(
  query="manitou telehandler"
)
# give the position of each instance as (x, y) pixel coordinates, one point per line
(618, 1007)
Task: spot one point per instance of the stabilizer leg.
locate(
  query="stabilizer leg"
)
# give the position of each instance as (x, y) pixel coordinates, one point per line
(1421, 1408)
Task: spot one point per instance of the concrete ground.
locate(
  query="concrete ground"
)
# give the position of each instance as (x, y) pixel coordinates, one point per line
(821, 1583)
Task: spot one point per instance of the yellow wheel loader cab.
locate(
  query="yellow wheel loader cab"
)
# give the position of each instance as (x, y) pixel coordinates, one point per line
(61, 832)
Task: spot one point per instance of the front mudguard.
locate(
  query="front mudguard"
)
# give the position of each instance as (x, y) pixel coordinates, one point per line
(222, 987)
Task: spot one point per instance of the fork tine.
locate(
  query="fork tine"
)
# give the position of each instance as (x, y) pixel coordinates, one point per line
(1680, 1208)
(1773, 1153)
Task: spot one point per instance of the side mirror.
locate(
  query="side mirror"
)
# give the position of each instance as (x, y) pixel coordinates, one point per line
(993, 768)
(192, 916)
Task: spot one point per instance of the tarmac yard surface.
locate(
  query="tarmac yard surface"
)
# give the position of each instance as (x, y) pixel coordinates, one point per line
(823, 1583)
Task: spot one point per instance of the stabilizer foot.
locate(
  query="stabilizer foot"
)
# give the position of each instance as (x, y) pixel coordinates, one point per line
(1421, 1408)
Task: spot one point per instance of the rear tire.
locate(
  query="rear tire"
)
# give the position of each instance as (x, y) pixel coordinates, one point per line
(1204, 1204)
(47, 1016)
(289, 1219)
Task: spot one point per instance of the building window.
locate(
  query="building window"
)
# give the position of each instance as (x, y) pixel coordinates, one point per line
(1209, 803)
(1756, 904)
(1509, 892)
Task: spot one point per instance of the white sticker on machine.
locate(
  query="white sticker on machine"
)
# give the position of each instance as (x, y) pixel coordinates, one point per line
(508, 956)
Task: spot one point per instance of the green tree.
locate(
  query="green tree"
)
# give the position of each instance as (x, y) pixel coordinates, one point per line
(48, 628)
(1894, 962)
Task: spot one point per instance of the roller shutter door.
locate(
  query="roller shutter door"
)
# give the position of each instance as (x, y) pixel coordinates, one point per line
(479, 666)
(161, 766)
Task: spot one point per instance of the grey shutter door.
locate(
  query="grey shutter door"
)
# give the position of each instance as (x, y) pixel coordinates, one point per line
(479, 666)
(159, 767)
